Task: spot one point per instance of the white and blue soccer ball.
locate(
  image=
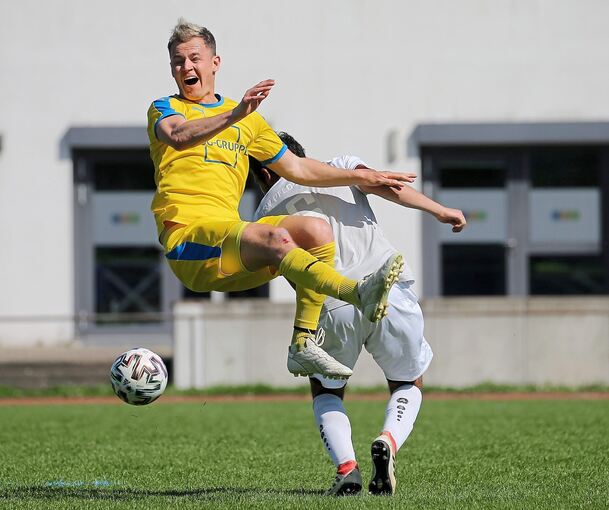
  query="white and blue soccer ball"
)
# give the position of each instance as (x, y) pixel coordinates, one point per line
(138, 376)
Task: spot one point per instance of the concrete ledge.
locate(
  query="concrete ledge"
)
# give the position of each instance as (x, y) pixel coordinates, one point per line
(505, 305)
(560, 341)
(557, 341)
(74, 354)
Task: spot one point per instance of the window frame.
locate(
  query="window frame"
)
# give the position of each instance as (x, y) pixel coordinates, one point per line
(435, 143)
(86, 146)
(84, 160)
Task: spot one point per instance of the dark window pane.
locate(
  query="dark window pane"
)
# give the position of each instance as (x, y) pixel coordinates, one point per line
(127, 280)
(132, 172)
(556, 167)
(570, 275)
(473, 270)
(472, 174)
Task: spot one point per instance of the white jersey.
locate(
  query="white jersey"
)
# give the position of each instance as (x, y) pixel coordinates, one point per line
(361, 246)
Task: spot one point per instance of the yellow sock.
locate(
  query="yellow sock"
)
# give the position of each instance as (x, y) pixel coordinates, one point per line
(309, 302)
(304, 269)
(314, 276)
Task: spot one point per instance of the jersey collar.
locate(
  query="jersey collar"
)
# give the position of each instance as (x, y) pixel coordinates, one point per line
(219, 102)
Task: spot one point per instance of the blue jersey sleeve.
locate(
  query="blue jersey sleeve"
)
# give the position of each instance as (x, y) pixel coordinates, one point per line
(159, 110)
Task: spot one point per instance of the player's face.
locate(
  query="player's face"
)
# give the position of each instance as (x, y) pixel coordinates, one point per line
(193, 66)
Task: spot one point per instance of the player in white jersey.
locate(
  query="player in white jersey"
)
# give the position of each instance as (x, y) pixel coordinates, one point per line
(397, 344)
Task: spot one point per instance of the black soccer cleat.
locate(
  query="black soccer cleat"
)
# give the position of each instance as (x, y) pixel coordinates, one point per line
(382, 481)
(346, 485)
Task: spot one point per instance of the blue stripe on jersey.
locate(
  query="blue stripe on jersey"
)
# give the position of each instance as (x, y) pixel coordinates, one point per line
(193, 251)
(164, 108)
(275, 157)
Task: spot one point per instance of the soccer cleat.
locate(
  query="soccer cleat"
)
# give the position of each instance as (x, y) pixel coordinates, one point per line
(383, 467)
(346, 485)
(374, 288)
(312, 359)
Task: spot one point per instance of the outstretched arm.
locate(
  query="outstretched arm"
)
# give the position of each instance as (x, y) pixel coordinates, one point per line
(310, 172)
(410, 197)
(181, 134)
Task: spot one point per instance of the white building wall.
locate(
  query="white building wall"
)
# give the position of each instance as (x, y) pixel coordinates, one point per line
(348, 73)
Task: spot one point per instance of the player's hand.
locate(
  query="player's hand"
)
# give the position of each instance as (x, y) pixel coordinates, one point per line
(392, 179)
(454, 217)
(253, 97)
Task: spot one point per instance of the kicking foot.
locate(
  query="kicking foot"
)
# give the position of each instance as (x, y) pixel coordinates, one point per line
(346, 484)
(383, 467)
(374, 289)
(311, 359)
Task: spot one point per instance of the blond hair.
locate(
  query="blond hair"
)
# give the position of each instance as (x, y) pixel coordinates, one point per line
(184, 31)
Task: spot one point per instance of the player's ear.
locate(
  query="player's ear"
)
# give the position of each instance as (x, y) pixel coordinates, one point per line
(215, 63)
(266, 175)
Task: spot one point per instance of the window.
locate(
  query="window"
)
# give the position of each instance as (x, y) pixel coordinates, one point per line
(567, 275)
(122, 277)
(134, 173)
(473, 270)
(472, 174)
(473, 262)
(127, 280)
(535, 221)
(565, 167)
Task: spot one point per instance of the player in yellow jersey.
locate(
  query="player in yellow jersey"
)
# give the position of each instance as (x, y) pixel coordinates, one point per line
(199, 143)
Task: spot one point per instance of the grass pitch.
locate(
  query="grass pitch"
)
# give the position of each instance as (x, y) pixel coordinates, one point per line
(462, 454)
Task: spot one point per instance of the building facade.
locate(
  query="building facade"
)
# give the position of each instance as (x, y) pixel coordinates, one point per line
(500, 107)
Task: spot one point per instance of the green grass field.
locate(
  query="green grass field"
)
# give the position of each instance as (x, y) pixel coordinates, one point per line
(462, 454)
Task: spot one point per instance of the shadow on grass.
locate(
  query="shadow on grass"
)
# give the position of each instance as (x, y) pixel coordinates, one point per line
(126, 494)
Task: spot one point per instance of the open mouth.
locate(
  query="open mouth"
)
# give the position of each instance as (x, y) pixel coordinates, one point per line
(191, 80)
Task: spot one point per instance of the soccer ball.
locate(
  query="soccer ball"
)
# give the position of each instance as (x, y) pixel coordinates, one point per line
(138, 376)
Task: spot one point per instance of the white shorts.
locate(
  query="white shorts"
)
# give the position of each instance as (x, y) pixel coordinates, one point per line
(396, 343)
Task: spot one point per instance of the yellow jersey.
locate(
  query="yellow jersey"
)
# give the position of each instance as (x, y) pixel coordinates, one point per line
(206, 180)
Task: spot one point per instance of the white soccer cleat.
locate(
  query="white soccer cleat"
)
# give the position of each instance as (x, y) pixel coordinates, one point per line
(312, 359)
(374, 288)
(383, 467)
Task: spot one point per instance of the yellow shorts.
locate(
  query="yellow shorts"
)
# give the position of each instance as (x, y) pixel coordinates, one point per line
(205, 255)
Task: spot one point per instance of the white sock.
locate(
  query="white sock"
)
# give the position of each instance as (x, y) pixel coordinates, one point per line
(401, 412)
(334, 427)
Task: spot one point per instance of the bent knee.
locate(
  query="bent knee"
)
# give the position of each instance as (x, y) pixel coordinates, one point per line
(279, 237)
(279, 242)
(314, 232)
